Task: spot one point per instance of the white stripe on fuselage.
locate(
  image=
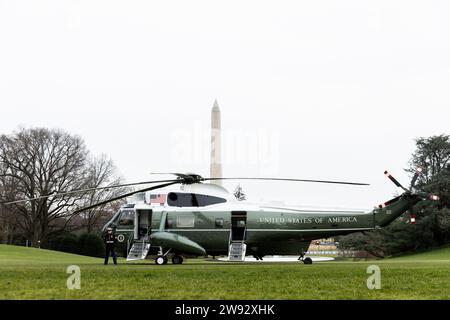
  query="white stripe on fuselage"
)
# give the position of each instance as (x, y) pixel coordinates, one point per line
(270, 230)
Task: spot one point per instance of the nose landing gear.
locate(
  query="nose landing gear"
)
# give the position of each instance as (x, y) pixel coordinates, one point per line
(160, 260)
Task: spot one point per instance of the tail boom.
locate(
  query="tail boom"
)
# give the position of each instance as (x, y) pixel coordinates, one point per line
(394, 208)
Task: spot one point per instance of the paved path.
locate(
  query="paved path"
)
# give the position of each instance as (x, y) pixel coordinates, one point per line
(281, 259)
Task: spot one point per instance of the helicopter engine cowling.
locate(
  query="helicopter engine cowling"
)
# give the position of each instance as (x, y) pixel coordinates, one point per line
(176, 242)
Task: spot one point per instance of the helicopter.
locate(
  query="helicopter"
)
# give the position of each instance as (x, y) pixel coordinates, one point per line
(191, 216)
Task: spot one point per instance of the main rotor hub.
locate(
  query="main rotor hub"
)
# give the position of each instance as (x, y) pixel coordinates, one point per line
(190, 178)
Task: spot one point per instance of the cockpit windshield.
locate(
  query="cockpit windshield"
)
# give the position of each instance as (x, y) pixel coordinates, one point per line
(126, 218)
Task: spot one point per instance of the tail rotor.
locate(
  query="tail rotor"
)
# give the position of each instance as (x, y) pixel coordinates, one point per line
(412, 191)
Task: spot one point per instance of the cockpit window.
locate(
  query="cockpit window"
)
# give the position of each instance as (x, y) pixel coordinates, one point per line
(126, 218)
(192, 200)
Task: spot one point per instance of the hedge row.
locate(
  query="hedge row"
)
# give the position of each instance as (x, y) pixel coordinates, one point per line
(88, 244)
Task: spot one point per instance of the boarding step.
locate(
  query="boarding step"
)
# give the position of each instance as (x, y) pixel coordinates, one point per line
(138, 251)
(237, 251)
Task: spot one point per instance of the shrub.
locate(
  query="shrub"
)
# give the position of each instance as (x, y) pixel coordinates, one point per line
(69, 243)
(91, 244)
(81, 242)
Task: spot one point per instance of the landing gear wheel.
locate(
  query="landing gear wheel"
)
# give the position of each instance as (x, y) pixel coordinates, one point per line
(160, 260)
(177, 260)
(307, 260)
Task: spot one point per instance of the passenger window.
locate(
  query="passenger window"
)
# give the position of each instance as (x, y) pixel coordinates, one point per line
(182, 200)
(192, 200)
(185, 221)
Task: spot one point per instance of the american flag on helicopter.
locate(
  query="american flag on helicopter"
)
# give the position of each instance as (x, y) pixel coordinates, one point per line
(157, 199)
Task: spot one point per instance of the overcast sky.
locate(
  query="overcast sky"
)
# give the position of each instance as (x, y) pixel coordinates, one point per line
(315, 89)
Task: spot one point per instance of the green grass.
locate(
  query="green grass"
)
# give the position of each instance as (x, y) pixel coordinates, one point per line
(442, 254)
(27, 273)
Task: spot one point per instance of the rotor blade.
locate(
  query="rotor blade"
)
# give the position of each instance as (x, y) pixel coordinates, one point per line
(186, 177)
(180, 175)
(124, 196)
(293, 180)
(86, 190)
(414, 179)
(394, 180)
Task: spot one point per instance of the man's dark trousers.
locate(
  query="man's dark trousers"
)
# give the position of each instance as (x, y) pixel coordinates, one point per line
(110, 250)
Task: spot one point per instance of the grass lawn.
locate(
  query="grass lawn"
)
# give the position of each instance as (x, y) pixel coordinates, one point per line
(28, 273)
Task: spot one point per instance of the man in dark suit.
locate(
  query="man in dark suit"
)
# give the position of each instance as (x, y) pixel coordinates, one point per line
(110, 245)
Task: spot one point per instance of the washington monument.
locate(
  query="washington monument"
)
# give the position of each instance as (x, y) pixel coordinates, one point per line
(216, 147)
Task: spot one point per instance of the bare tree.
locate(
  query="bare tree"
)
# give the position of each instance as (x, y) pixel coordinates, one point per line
(37, 162)
(8, 225)
(101, 173)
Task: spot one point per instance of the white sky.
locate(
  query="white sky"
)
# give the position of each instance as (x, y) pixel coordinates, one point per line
(330, 89)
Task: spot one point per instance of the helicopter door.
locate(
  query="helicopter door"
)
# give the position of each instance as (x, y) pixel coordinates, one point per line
(238, 225)
(237, 247)
(143, 223)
